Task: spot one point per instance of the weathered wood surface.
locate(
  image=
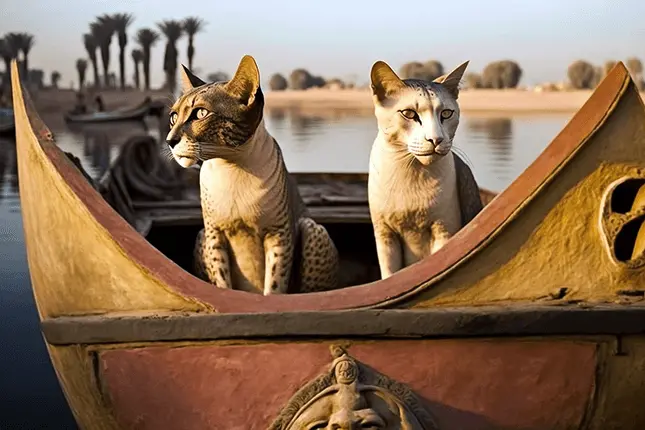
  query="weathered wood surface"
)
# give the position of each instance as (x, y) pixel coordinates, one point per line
(562, 232)
(431, 323)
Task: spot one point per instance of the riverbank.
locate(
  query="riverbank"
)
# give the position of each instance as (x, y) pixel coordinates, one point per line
(484, 101)
(478, 101)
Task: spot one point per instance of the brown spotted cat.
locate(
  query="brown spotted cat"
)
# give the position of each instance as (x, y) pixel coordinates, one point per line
(257, 231)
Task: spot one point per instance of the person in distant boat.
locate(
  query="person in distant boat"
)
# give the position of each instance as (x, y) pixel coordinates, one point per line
(80, 107)
(100, 107)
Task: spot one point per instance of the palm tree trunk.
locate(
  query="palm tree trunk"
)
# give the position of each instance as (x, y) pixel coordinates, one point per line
(25, 64)
(122, 65)
(146, 67)
(81, 79)
(95, 67)
(105, 57)
(191, 52)
(137, 82)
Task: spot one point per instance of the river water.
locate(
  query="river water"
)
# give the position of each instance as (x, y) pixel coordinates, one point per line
(497, 148)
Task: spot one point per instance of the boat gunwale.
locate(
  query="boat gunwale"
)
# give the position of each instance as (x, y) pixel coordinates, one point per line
(458, 322)
(409, 280)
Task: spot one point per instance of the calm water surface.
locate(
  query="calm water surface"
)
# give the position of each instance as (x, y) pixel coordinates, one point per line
(498, 149)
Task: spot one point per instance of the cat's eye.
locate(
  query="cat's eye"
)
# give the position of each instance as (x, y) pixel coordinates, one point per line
(409, 114)
(173, 118)
(318, 425)
(201, 113)
(446, 113)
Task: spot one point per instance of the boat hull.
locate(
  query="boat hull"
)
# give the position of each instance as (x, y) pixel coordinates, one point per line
(132, 114)
(531, 317)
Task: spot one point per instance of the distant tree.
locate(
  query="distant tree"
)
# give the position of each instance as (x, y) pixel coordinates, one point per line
(635, 67)
(103, 30)
(501, 74)
(91, 45)
(81, 68)
(582, 75)
(147, 38)
(218, 77)
(606, 68)
(278, 82)
(8, 53)
(300, 79)
(23, 43)
(473, 80)
(192, 26)
(55, 77)
(137, 58)
(433, 69)
(335, 84)
(37, 77)
(121, 22)
(173, 30)
(317, 82)
(427, 71)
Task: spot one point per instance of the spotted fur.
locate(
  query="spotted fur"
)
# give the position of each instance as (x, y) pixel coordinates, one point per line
(420, 193)
(257, 234)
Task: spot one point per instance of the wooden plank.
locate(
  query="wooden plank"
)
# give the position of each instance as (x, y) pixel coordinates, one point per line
(438, 322)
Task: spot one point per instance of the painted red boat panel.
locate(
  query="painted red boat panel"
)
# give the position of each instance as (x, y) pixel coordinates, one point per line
(468, 384)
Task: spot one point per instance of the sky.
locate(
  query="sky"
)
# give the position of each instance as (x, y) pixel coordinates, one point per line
(343, 38)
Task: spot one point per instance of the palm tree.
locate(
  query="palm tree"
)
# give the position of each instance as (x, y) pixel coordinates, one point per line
(7, 53)
(121, 22)
(192, 26)
(23, 42)
(172, 30)
(81, 67)
(103, 30)
(147, 38)
(90, 46)
(55, 78)
(137, 57)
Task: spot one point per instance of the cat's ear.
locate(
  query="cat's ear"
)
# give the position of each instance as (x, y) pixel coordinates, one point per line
(451, 80)
(246, 81)
(384, 81)
(188, 80)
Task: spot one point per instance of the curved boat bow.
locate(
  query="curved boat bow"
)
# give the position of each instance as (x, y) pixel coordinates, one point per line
(137, 341)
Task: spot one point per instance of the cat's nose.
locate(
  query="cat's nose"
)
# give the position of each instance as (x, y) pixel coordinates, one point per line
(172, 142)
(437, 141)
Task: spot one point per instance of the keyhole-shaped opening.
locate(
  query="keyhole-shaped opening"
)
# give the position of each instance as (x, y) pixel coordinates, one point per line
(627, 194)
(630, 240)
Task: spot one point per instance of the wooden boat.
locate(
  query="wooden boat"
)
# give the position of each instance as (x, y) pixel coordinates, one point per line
(136, 113)
(531, 317)
(7, 123)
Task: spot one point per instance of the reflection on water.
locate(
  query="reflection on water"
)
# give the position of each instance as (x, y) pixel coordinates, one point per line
(498, 149)
(499, 134)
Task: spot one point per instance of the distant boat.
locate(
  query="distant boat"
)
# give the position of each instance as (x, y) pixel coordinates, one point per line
(531, 317)
(7, 122)
(137, 113)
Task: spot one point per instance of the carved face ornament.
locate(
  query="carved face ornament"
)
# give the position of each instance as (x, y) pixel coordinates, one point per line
(351, 397)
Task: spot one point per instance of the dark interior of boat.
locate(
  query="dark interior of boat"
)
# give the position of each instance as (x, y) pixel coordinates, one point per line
(354, 241)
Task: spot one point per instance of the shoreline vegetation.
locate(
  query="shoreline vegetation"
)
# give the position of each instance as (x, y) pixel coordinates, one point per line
(317, 100)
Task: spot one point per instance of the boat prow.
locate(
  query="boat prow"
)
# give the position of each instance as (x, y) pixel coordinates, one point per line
(540, 293)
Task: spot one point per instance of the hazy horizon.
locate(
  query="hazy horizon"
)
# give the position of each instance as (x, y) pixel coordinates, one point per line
(343, 39)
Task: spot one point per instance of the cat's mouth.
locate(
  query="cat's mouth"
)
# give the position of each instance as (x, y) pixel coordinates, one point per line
(185, 161)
